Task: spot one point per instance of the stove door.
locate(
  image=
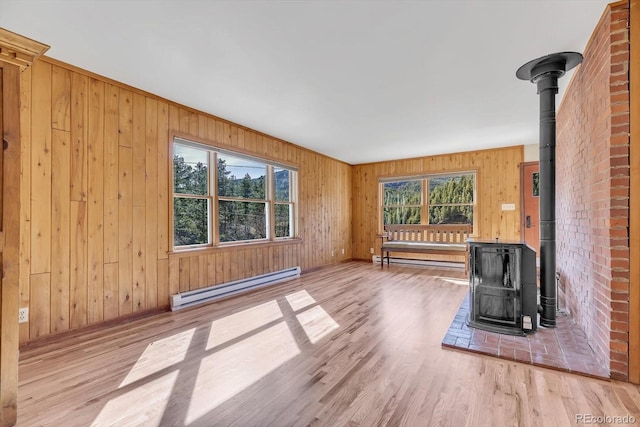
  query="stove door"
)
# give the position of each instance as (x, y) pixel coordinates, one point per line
(496, 285)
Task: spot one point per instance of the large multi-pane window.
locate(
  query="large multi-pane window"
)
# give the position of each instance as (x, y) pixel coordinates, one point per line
(241, 199)
(430, 199)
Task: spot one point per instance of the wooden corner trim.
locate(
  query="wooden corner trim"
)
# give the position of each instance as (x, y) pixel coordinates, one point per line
(634, 190)
(19, 50)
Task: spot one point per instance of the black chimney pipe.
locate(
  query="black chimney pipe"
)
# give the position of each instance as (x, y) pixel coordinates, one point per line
(545, 72)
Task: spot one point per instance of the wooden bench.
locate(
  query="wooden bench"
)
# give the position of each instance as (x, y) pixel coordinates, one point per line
(426, 239)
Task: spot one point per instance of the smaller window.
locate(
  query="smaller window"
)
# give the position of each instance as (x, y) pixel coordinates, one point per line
(430, 199)
(242, 199)
(191, 202)
(402, 202)
(283, 203)
(451, 199)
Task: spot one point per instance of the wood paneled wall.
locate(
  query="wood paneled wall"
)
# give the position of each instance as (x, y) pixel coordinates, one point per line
(95, 202)
(95, 197)
(498, 182)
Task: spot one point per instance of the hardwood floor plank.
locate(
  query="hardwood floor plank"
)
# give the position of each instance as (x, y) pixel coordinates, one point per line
(348, 345)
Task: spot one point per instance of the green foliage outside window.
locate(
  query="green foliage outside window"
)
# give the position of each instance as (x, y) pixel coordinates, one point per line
(191, 214)
(191, 221)
(402, 215)
(241, 198)
(282, 183)
(450, 200)
(402, 201)
(536, 184)
(283, 219)
(241, 221)
(240, 178)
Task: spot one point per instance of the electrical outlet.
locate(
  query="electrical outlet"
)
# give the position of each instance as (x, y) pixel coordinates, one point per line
(371, 250)
(23, 315)
(342, 251)
(333, 253)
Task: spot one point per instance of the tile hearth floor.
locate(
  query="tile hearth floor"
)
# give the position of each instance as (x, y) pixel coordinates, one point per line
(563, 348)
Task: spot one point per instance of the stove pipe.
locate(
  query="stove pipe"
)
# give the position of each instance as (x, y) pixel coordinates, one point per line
(545, 72)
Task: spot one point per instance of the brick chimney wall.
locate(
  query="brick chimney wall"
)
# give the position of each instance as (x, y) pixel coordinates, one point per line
(592, 199)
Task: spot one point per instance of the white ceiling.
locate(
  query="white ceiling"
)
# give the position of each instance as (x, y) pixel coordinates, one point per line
(359, 81)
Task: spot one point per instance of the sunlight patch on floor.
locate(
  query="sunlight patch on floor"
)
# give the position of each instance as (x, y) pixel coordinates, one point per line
(243, 322)
(316, 323)
(242, 348)
(300, 300)
(229, 371)
(160, 355)
(123, 411)
(455, 281)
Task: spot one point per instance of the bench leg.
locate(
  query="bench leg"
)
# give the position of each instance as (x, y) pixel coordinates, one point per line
(382, 257)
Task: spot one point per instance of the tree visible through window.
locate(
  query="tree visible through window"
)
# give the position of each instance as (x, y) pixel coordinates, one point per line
(402, 202)
(241, 199)
(438, 199)
(191, 203)
(451, 200)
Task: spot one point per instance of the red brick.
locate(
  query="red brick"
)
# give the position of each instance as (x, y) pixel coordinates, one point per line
(620, 285)
(619, 326)
(620, 253)
(620, 119)
(619, 14)
(617, 48)
(620, 139)
(619, 213)
(617, 204)
(619, 336)
(620, 67)
(592, 198)
(620, 108)
(619, 79)
(620, 347)
(619, 150)
(619, 192)
(618, 375)
(620, 129)
(620, 57)
(618, 370)
(619, 316)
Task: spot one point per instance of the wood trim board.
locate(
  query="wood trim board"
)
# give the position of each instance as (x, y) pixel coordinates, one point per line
(9, 255)
(634, 191)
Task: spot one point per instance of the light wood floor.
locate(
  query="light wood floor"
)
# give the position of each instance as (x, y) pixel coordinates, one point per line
(347, 345)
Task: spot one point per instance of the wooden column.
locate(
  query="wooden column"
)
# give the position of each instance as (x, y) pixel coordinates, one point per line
(634, 191)
(9, 245)
(16, 53)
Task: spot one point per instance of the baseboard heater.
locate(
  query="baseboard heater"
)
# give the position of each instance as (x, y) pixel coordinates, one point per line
(212, 293)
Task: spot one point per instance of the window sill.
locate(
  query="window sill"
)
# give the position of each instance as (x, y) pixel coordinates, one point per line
(231, 247)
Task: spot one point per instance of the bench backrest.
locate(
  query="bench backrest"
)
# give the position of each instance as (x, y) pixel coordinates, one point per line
(458, 233)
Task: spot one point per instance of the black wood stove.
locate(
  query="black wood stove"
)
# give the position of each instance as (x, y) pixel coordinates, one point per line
(503, 287)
